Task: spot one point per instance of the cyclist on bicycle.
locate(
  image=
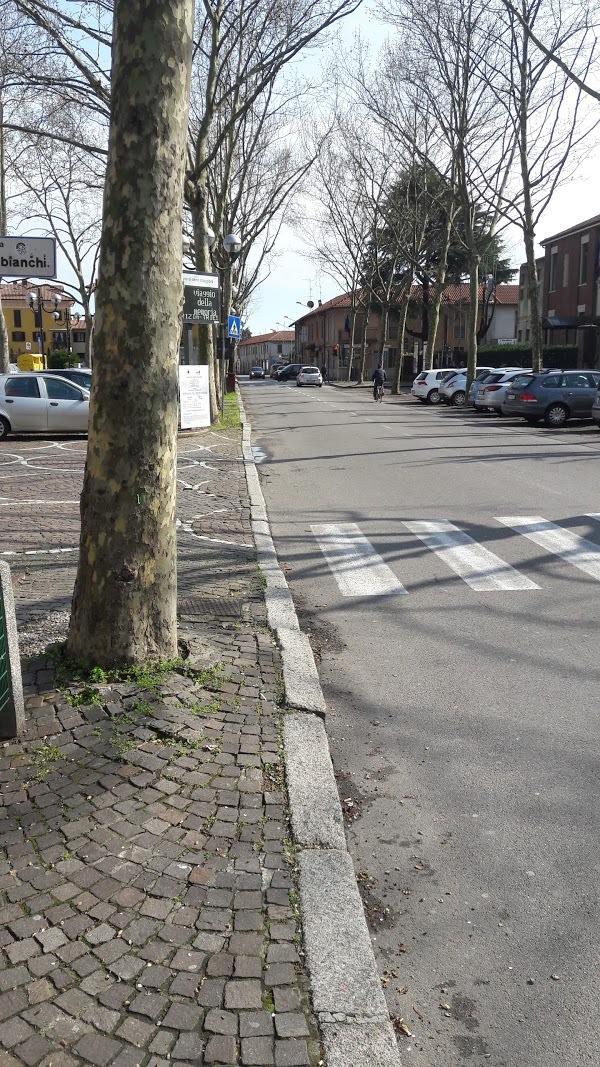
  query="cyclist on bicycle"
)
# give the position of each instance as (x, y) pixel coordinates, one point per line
(378, 378)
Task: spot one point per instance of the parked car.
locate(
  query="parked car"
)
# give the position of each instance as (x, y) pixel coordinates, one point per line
(292, 370)
(490, 392)
(257, 372)
(596, 410)
(454, 389)
(275, 367)
(80, 375)
(553, 396)
(426, 386)
(310, 376)
(42, 403)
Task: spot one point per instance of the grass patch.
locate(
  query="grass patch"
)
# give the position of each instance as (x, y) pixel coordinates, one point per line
(230, 419)
(44, 759)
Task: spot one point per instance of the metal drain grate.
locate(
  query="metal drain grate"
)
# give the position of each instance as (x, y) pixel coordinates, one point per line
(202, 605)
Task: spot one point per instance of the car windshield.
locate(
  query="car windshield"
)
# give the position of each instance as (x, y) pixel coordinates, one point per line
(522, 380)
(487, 379)
(310, 370)
(421, 377)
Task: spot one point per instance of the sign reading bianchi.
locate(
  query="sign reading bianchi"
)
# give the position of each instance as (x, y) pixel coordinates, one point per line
(27, 257)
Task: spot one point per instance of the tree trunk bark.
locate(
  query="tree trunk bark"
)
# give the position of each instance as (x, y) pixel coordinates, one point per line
(351, 345)
(363, 348)
(440, 280)
(125, 601)
(399, 363)
(4, 343)
(383, 326)
(89, 337)
(474, 260)
(206, 345)
(533, 284)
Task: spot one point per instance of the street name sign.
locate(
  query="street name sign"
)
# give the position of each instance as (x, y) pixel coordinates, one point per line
(234, 326)
(27, 257)
(201, 298)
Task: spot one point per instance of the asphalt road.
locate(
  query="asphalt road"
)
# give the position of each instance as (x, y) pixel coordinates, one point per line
(462, 690)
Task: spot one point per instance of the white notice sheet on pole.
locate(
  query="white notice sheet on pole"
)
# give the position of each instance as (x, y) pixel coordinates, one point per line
(194, 400)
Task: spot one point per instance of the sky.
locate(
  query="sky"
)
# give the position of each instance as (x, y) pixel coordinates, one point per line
(295, 278)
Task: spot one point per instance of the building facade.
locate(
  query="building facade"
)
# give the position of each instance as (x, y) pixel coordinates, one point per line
(264, 350)
(36, 331)
(571, 301)
(323, 334)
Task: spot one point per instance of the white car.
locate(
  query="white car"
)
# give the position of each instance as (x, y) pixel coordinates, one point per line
(491, 392)
(426, 386)
(309, 376)
(13, 368)
(454, 389)
(42, 403)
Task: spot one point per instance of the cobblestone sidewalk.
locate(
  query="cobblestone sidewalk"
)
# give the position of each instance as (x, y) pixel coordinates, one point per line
(148, 913)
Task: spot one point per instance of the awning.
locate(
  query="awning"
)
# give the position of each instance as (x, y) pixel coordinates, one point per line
(567, 322)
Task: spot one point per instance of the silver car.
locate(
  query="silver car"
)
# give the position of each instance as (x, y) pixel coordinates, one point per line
(42, 403)
(309, 376)
(491, 392)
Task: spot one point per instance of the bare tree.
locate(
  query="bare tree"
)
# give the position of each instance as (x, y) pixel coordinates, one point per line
(565, 37)
(549, 124)
(124, 606)
(60, 189)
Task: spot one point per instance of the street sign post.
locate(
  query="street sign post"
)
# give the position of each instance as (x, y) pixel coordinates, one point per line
(234, 326)
(201, 298)
(27, 257)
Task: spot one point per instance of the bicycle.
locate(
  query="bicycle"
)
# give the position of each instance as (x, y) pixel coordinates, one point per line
(379, 395)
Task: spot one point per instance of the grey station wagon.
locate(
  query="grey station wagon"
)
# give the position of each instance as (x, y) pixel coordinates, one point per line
(553, 396)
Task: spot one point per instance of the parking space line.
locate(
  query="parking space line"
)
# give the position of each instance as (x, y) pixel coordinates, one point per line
(357, 568)
(578, 551)
(481, 569)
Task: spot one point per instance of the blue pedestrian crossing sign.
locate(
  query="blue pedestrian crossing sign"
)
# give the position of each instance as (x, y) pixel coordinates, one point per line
(234, 326)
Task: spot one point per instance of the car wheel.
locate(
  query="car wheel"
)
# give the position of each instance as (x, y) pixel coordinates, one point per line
(458, 398)
(556, 415)
(433, 397)
(4, 428)
(320, 385)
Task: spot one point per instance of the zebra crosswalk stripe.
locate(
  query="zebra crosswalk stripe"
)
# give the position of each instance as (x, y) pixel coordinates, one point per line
(576, 550)
(481, 569)
(357, 568)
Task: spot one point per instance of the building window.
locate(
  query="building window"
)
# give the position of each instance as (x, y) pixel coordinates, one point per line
(59, 338)
(553, 269)
(565, 270)
(583, 260)
(17, 318)
(519, 335)
(18, 335)
(527, 335)
(460, 325)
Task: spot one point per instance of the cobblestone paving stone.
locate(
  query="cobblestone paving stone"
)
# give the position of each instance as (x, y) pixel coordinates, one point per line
(147, 904)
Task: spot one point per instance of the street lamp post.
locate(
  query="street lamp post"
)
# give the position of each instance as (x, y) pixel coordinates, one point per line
(36, 303)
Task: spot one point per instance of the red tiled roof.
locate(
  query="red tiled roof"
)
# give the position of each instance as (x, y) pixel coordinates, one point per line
(276, 335)
(20, 290)
(453, 294)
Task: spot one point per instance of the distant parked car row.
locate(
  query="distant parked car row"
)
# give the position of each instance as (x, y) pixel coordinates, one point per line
(551, 396)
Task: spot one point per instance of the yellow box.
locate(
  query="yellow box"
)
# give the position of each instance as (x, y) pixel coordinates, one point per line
(30, 361)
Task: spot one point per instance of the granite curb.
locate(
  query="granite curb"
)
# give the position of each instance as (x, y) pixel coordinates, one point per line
(345, 986)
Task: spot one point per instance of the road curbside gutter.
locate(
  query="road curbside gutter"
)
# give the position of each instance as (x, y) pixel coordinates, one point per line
(347, 996)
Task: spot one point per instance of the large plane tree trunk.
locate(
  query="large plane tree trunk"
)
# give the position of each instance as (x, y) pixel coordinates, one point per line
(124, 606)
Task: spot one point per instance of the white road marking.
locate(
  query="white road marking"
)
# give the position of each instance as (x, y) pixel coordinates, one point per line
(357, 568)
(578, 551)
(38, 551)
(19, 503)
(481, 569)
